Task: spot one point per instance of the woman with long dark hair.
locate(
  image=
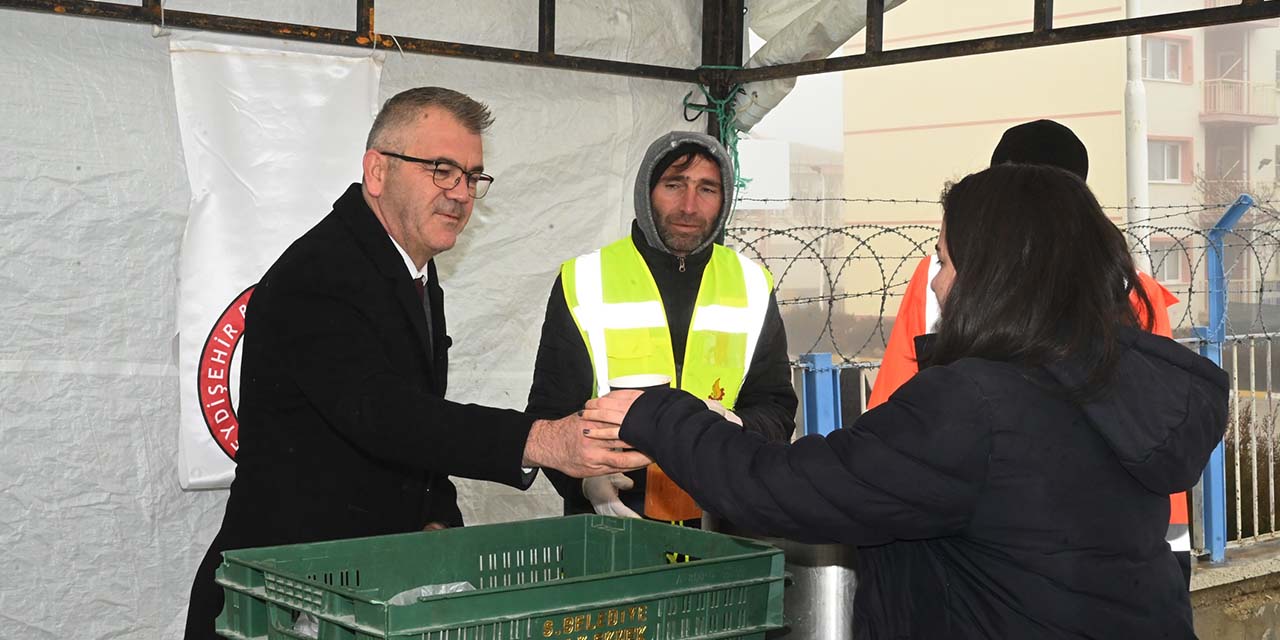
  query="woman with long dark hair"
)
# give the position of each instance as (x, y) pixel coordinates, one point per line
(1016, 487)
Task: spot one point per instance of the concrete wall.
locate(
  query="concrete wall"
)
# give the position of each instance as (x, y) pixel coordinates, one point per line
(1239, 599)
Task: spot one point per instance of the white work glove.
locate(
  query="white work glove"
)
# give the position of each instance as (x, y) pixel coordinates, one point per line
(602, 491)
(715, 406)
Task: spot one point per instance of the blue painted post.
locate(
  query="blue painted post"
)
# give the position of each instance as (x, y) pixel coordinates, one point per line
(821, 382)
(1214, 478)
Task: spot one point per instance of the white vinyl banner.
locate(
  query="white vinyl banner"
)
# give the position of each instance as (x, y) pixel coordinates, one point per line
(271, 139)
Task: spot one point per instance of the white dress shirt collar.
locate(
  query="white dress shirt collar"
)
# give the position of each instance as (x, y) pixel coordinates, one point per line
(414, 272)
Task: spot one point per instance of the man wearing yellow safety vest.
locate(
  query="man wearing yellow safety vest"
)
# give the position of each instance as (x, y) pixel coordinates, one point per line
(666, 300)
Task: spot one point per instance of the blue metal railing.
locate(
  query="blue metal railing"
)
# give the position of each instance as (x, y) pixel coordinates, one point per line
(1214, 478)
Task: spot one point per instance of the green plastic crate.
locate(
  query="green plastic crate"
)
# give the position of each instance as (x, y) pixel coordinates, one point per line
(574, 578)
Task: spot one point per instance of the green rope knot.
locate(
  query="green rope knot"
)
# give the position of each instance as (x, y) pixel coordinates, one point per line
(725, 113)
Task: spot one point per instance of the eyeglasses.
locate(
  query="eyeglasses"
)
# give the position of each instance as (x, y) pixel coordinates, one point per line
(447, 175)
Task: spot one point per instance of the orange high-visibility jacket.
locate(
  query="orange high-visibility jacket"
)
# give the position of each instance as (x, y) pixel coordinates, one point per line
(918, 311)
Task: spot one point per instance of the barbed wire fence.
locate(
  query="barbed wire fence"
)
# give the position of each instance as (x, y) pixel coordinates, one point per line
(839, 286)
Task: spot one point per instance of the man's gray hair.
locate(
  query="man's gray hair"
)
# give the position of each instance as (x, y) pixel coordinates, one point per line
(407, 106)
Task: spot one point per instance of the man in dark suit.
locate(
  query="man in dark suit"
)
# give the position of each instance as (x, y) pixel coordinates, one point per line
(344, 428)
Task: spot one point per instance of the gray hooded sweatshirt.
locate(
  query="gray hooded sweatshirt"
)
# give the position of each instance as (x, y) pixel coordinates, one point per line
(657, 158)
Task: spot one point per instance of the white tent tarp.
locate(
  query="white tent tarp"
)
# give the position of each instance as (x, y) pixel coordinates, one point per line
(97, 538)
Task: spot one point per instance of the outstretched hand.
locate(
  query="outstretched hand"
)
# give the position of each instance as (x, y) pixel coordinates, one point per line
(564, 444)
(611, 408)
(609, 411)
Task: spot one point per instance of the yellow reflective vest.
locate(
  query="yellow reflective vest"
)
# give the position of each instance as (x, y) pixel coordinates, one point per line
(616, 305)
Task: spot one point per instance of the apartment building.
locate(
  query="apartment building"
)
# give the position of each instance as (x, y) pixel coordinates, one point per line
(907, 130)
(1211, 119)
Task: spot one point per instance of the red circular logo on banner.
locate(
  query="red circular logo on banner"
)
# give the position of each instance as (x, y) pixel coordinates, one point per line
(214, 375)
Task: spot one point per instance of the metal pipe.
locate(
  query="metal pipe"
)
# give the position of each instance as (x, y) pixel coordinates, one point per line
(289, 31)
(1271, 442)
(104, 10)
(1253, 430)
(148, 13)
(1237, 336)
(1135, 142)
(875, 26)
(1043, 16)
(1235, 435)
(364, 19)
(723, 34)
(547, 26)
(1213, 479)
(1080, 33)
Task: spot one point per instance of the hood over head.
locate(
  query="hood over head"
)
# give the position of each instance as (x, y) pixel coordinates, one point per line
(660, 155)
(1163, 412)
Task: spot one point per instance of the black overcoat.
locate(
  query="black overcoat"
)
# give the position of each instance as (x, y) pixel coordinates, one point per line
(344, 429)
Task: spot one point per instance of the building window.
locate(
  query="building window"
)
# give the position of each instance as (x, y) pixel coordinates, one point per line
(1161, 59)
(1167, 260)
(1164, 161)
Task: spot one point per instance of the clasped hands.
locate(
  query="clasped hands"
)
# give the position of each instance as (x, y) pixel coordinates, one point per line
(610, 410)
(586, 443)
(604, 492)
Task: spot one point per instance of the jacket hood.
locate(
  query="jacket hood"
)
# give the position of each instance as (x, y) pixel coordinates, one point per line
(1163, 412)
(653, 158)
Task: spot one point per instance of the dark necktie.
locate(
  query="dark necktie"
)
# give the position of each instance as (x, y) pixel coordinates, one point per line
(420, 285)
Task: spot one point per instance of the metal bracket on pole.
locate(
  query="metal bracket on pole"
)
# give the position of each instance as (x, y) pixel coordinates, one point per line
(723, 36)
(821, 394)
(1214, 478)
(875, 26)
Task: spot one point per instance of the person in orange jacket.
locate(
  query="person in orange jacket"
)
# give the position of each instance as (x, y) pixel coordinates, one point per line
(1037, 142)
